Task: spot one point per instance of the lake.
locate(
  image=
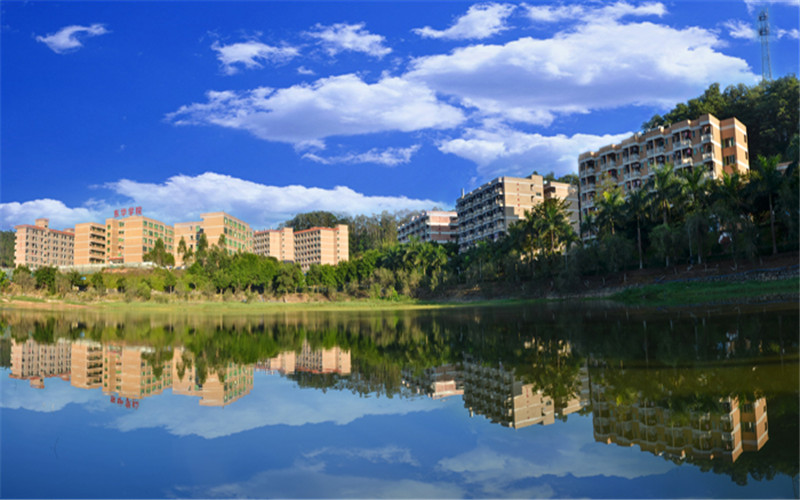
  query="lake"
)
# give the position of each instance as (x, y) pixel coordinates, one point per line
(554, 400)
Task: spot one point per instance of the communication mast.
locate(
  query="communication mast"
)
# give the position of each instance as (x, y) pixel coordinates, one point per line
(763, 34)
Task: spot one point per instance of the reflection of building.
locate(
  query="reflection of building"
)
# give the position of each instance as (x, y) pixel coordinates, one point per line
(87, 364)
(284, 363)
(431, 225)
(722, 434)
(505, 399)
(333, 360)
(127, 373)
(33, 361)
(38, 245)
(436, 383)
(219, 388)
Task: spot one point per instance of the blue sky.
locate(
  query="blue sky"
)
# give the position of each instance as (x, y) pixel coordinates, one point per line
(268, 109)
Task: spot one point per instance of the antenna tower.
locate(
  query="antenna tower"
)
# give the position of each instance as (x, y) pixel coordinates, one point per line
(763, 34)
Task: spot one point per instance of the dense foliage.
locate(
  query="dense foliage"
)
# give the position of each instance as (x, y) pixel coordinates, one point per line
(770, 110)
(7, 248)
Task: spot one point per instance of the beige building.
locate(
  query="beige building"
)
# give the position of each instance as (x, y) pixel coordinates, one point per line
(333, 360)
(90, 243)
(278, 243)
(127, 374)
(437, 383)
(220, 388)
(713, 145)
(34, 362)
(486, 213)
(321, 245)
(130, 238)
(87, 364)
(503, 398)
(710, 435)
(39, 246)
(434, 225)
(238, 234)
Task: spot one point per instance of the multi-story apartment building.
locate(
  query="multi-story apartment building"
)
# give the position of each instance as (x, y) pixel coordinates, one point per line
(437, 382)
(431, 225)
(503, 398)
(486, 213)
(238, 234)
(38, 245)
(333, 360)
(321, 245)
(128, 374)
(34, 362)
(724, 434)
(219, 387)
(90, 243)
(87, 364)
(278, 243)
(716, 146)
(130, 238)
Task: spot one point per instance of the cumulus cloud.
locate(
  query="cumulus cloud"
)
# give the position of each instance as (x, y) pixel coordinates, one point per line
(343, 37)
(617, 10)
(596, 65)
(182, 198)
(480, 21)
(500, 150)
(251, 54)
(389, 157)
(740, 29)
(68, 39)
(339, 105)
(61, 216)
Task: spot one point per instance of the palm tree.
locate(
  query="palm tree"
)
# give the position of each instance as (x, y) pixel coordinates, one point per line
(637, 204)
(552, 224)
(588, 225)
(666, 188)
(610, 205)
(694, 187)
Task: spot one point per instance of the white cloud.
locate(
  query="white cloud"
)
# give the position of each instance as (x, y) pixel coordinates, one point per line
(183, 198)
(302, 70)
(503, 151)
(339, 105)
(249, 54)
(615, 11)
(753, 5)
(597, 65)
(480, 21)
(740, 29)
(61, 216)
(349, 37)
(794, 34)
(388, 454)
(389, 157)
(67, 39)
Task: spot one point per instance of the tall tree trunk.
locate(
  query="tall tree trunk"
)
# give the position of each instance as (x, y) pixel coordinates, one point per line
(639, 240)
(772, 227)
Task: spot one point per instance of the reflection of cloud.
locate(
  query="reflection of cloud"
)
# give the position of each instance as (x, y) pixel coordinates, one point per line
(276, 402)
(18, 395)
(387, 454)
(309, 482)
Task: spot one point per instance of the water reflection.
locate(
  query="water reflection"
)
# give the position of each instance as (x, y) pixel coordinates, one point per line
(687, 387)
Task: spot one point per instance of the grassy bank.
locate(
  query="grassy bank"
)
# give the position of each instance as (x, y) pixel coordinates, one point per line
(666, 294)
(708, 292)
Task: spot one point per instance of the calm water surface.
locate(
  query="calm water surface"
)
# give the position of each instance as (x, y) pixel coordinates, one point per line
(534, 401)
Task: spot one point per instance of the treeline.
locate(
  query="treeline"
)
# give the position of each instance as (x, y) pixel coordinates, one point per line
(770, 110)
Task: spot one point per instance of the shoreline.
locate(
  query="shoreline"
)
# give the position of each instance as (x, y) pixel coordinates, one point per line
(673, 293)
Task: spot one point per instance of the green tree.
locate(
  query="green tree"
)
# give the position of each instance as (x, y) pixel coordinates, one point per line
(46, 278)
(159, 255)
(610, 206)
(766, 181)
(552, 224)
(23, 278)
(636, 208)
(7, 242)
